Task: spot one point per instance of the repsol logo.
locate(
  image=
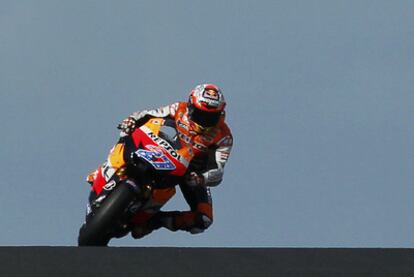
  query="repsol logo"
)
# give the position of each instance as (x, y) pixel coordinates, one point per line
(165, 145)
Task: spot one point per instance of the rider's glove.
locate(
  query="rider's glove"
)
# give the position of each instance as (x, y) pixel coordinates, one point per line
(128, 125)
(193, 179)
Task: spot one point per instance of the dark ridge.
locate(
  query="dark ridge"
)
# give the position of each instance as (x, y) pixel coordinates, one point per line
(199, 262)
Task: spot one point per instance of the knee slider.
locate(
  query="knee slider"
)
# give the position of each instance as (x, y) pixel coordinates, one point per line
(203, 221)
(201, 224)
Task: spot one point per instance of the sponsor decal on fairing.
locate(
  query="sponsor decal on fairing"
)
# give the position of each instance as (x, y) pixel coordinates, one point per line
(107, 170)
(165, 145)
(156, 158)
(110, 185)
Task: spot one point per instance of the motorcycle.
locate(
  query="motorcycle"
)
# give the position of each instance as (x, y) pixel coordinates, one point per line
(137, 179)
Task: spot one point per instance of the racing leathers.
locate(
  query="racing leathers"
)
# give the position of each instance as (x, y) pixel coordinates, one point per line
(211, 152)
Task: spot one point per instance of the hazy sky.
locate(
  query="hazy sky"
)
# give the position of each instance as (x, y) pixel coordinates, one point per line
(320, 100)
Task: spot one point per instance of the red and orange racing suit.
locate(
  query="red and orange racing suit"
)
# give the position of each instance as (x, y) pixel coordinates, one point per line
(211, 152)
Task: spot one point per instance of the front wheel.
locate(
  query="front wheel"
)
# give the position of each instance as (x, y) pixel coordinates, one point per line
(96, 230)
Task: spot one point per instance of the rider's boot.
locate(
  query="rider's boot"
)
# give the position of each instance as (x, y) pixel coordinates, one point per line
(140, 231)
(190, 221)
(158, 220)
(146, 223)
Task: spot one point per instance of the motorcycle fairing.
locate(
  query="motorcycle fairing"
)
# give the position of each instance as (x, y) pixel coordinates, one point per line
(145, 142)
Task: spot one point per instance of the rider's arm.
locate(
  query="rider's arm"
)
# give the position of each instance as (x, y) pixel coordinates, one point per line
(160, 112)
(136, 119)
(214, 176)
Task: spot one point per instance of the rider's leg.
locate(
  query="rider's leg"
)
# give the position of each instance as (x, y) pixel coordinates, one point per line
(198, 219)
(144, 222)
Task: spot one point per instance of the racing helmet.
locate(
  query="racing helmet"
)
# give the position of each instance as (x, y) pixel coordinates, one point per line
(205, 107)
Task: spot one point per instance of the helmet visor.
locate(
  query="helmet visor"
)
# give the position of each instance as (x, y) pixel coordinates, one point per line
(203, 118)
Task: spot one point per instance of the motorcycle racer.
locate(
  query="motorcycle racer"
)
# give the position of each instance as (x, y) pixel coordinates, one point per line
(200, 122)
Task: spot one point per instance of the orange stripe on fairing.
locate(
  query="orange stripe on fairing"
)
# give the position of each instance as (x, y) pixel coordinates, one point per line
(161, 196)
(116, 157)
(206, 209)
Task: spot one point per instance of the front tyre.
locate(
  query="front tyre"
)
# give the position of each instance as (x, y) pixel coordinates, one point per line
(96, 230)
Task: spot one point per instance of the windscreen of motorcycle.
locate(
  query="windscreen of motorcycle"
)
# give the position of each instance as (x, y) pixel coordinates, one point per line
(170, 134)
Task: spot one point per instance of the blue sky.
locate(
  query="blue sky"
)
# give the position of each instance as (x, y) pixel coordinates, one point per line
(320, 102)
